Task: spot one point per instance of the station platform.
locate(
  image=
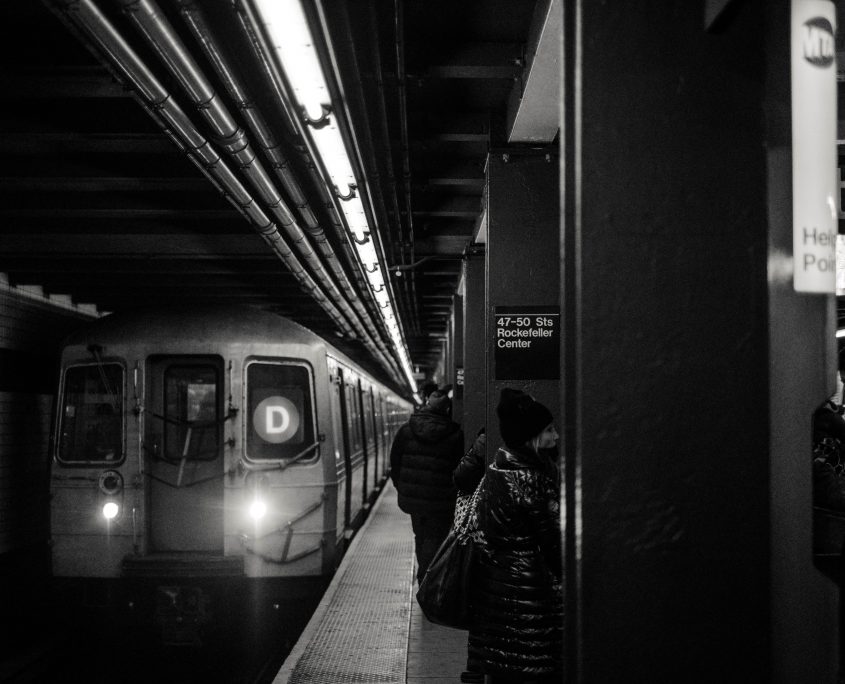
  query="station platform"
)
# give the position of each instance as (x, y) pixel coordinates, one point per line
(368, 626)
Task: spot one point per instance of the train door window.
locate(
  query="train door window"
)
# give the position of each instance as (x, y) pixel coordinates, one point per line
(355, 419)
(369, 423)
(191, 425)
(91, 414)
(279, 412)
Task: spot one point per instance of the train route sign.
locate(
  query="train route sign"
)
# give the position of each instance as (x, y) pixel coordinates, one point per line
(526, 342)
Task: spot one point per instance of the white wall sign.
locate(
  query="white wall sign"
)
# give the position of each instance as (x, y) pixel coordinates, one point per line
(815, 186)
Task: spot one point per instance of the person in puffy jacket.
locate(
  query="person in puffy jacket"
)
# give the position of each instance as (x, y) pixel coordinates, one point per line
(517, 627)
(425, 451)
(471, 468)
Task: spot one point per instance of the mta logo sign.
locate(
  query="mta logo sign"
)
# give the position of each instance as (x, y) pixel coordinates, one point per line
(818, 43)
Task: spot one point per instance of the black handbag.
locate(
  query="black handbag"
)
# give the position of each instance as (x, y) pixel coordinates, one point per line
(445, 591)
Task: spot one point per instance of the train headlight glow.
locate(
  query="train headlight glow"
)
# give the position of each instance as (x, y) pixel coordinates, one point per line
(110, 510)
(257, 509)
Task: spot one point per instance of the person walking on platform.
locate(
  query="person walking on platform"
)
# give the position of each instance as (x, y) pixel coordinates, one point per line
(516, 633)
(424, 453)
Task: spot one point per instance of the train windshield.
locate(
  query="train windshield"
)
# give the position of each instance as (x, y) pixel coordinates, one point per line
(91, 418)
(279, 412)
(191, 426)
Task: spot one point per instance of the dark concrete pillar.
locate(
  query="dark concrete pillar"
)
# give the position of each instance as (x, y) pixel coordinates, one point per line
(690, 365)
(523, 312)
(475, 344)
(457, 363)
(806, 630)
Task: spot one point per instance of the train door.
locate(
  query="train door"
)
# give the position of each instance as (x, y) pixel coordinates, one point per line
(347, 448)
(185, 455)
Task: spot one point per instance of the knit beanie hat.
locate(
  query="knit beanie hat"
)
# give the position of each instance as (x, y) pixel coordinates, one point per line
(439, 400)
(520, 417)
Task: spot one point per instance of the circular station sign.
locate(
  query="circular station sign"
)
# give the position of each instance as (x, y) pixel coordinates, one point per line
(276, 419)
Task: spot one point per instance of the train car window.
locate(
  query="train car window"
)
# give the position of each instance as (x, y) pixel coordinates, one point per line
(191, 413)
(369, 421)
(354, 418)
(91, 414)
(279, 412)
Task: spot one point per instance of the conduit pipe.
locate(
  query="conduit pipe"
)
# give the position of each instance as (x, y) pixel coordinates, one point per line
(161, 36)
(196, 22)
(157, 30)
(370, 190)
(248, 24)
(251, 27)
(86, 16)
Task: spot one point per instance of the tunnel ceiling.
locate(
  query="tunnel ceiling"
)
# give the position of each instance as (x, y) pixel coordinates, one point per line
(104, 201)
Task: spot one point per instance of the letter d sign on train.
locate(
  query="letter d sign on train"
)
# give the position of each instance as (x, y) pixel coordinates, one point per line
(275, 419)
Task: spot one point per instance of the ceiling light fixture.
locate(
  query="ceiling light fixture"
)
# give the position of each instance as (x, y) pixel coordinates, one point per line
(287, 28)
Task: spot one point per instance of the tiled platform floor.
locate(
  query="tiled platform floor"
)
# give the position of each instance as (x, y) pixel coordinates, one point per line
(368, 627)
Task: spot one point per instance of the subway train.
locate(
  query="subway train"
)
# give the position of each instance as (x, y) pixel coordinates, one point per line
(205, 458)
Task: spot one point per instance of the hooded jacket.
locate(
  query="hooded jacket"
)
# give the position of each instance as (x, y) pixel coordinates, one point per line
(517, 624)
(425, 451)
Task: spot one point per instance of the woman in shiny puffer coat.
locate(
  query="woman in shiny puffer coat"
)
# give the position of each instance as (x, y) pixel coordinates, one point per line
(516, 633)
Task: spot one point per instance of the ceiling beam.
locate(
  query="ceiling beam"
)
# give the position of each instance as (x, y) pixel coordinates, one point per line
(72, 144)
(466, 60)
(121, 214)
(92, 245)
(534, 105)
(60, 82)
(106, 184)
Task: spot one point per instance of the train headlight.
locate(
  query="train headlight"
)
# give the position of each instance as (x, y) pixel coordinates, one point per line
(111, 493)
(256, 495)
(111, 483)
(257, 509)
(110, 510)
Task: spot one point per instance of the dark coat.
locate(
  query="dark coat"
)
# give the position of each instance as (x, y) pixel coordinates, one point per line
(425, 451)
(517, 599)
(471, 468)
(828, 456)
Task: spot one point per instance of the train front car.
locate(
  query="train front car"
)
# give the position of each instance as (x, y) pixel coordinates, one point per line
(200, 471)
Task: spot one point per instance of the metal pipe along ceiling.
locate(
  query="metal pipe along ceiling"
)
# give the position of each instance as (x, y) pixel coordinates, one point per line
(250, 24)
(292, 122)
(197, 23)
(87, 17)
(161, 36)
(369, 192)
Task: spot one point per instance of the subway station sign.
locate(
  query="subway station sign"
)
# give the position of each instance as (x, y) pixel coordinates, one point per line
(815, 186)
(526, 342)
